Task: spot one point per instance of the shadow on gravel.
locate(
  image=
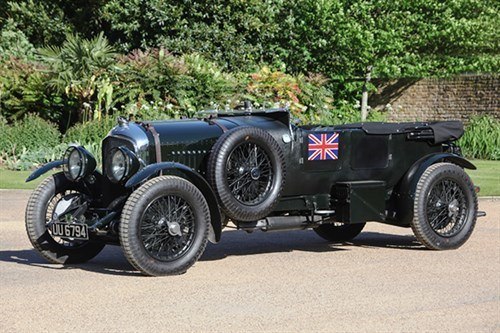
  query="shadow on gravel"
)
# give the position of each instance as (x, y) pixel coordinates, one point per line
(109, 261)
(234, 243)
(238, 243)
(376, 239)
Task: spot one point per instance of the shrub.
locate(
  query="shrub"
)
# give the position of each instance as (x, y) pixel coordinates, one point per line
(43, 22)
(4, 130)
(174, 85)
(203, 84)
(276, 87)
(153, 110)
(90, 132)
(29, 142)
(32, 133)
(482, 138)
(27, 159)
(23, 88)
(78, 71)
(316, 98)
(307, 96)
(13, 43)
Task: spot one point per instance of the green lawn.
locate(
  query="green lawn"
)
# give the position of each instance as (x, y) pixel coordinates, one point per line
(16, 179)
(487, 176)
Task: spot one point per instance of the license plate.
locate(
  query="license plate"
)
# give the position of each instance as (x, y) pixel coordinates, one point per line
(77, 231)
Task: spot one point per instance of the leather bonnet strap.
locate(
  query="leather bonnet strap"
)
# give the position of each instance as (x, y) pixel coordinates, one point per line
(156, 138)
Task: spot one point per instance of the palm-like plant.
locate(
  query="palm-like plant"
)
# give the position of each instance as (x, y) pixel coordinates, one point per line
(79, 68)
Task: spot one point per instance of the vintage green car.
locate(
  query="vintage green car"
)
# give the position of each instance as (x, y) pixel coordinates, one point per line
(168, 187)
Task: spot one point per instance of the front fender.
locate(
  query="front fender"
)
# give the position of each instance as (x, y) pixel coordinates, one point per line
(195, 178)
(43, 169)
(408, 185)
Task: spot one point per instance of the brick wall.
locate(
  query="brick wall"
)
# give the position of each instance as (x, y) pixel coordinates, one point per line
(460, 97)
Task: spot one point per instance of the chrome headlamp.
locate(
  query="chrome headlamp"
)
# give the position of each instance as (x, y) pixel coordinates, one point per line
(78, 163)
(121, 164)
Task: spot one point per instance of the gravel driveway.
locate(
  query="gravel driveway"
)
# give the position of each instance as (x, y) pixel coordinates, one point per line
(288, 281)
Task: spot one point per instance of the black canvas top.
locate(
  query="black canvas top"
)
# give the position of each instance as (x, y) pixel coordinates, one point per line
(443, 131)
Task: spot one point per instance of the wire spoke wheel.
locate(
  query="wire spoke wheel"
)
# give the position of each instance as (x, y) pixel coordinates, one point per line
(446, 208)
(249, 173)
(57, 200)
(164, 226)
(168, 228)
(246, 168)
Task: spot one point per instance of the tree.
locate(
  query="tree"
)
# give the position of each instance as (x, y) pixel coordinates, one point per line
(233, 33)
(339, 38)
(46, 22)
(78, 68)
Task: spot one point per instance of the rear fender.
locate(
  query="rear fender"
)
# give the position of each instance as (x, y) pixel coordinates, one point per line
(407, 186)
(178, 169)
(410, 180)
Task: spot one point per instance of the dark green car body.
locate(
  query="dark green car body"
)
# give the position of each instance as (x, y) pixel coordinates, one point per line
(258, 170)
(373, 176)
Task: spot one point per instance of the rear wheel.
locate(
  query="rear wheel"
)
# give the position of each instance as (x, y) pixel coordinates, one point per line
(57, 199)
(339, 232)
(445, 207)
(164, 226)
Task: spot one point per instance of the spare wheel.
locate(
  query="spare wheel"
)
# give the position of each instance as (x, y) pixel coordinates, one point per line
(247, 170)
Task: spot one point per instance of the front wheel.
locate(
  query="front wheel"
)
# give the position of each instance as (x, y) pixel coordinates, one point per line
(164, 226)
(445, 207)
(45, 205)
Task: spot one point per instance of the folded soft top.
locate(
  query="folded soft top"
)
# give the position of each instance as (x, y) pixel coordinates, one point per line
(436, 131)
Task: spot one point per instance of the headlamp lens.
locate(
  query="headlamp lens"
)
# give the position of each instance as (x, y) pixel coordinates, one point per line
(75, 164)
(119, 165)
(78, 163)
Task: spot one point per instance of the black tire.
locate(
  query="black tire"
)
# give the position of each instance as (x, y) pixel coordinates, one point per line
(247, 187)
(164, 226)
(339, 233)
(38, 213)
(445, 207)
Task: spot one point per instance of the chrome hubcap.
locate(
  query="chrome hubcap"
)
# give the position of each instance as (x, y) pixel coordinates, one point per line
(174, 229)
(453, 208)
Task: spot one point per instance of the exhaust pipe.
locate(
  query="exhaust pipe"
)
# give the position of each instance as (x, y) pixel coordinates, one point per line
(277, 223)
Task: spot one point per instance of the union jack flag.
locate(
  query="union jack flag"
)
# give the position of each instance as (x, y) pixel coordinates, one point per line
(323, 146)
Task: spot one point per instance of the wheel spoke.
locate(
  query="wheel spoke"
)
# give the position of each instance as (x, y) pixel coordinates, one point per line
(446, 207)
(249, 171)
(158, 240)
(443, 218)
